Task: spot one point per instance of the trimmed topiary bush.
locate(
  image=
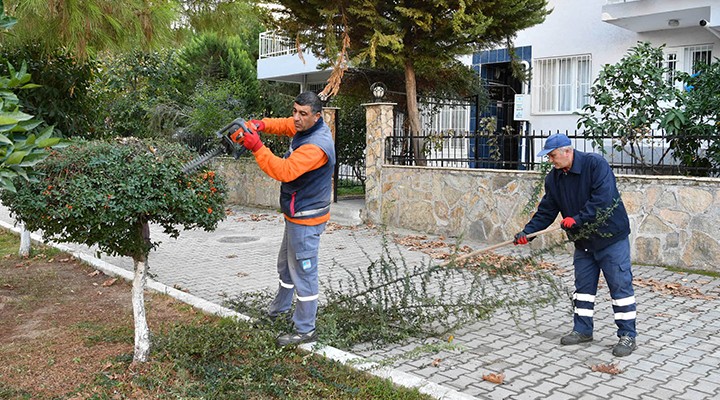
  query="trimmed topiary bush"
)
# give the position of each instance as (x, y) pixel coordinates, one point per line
(107, 194)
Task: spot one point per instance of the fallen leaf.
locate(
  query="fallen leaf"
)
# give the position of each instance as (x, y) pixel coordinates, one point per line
(94, 273)
(62, 260)
(109, 282)
(494, 378)
(607, 368)
(672, 288)
(436, 362)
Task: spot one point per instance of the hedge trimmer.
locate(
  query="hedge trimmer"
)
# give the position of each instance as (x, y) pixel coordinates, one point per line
(229, 144)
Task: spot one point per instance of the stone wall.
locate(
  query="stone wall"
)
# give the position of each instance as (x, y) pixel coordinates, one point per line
(247, 184)
(674, 220)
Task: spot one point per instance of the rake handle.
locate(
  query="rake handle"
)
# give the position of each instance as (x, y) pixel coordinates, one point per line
(501, 244)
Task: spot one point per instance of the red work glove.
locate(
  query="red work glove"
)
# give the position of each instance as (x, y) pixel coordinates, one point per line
(568, 223)
(251, 141)
(258, 125)
(520, 238)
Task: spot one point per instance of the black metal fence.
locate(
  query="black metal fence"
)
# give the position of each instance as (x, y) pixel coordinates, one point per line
(351, 178)
(651, 155)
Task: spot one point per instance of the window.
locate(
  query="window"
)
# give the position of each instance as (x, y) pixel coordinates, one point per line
(671, 62)
(561, 84)
(686, 59)
(695, 55)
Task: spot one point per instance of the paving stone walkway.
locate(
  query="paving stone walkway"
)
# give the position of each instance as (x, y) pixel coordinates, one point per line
(678, 316)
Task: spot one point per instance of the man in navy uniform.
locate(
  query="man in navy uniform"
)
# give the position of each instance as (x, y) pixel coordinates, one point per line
(583, 190)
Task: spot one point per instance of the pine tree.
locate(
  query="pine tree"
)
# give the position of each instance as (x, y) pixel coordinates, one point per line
(404, 34)
(87, 27)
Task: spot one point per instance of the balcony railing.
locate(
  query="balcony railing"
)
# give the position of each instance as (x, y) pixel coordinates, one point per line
(273, 45)
(620, 1)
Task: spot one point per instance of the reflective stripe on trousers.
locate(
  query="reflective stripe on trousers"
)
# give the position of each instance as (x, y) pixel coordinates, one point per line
(614, 262)
(298, 271)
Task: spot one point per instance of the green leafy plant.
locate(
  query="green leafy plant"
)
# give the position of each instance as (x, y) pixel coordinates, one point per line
(350, 135)
(22, 147)
(628, 99)
(143, 94)
(694, 126)
(107, 194)
(633, 97)
(62, 98)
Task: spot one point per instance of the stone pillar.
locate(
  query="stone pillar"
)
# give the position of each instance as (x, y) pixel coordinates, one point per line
(329, 114)
(379, 124)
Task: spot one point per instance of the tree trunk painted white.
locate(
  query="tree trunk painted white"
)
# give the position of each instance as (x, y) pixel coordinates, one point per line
(24, 250)
(142, 331)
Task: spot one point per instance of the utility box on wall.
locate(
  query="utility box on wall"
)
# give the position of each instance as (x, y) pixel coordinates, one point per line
(521, 110)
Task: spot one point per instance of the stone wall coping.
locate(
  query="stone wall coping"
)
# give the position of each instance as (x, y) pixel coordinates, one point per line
(650, 178)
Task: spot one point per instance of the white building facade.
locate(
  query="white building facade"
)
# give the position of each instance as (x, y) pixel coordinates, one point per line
(578, 38)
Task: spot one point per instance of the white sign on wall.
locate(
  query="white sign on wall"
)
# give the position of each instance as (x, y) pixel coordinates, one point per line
(521, 110)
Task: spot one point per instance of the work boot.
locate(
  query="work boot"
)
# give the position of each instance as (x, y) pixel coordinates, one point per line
(625, 346)
(296, 338)
(575, 337)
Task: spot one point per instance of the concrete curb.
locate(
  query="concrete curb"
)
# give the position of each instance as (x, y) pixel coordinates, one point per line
(398, 377)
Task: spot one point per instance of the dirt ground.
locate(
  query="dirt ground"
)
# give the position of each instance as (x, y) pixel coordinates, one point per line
(62, 322)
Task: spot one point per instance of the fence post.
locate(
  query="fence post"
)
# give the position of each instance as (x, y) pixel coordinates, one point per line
(379, 126)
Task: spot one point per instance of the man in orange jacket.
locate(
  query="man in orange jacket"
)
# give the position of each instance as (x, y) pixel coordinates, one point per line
(306, 172)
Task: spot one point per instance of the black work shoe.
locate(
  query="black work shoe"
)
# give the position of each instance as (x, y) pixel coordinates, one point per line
(296, 338)
(625, 346)
(575, 337)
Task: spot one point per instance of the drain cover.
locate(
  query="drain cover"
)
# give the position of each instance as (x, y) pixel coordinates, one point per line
(238, 239)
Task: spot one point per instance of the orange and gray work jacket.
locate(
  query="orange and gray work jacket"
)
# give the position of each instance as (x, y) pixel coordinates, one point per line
(305, 171)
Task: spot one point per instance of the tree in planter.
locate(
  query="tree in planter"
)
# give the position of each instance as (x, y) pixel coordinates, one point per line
(107, 194)
(696, 120)
(633, 97)
(629, 99)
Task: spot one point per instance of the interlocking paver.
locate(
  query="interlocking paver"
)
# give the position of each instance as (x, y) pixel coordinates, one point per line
(676, 385)
(678, 354)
